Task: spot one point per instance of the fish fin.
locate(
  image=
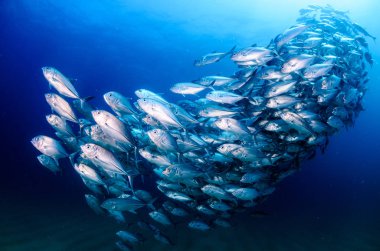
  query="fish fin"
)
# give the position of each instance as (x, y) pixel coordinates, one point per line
(88, 98)
(132, 211)
(72, 156)
(150, 204)
(56, 161)
(130, 180)
(83, 100)
(231, 51)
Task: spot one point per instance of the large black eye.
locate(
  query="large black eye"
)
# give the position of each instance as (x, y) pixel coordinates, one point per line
(88, 147)
(98, 113)
(110, 95)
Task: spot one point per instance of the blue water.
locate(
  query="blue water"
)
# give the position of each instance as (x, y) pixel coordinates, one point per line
(333, 203)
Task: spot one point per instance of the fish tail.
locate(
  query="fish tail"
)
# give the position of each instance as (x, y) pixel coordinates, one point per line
(72, 157)
(151, 205)
(84, 100)
(231, 51)
(135, 153)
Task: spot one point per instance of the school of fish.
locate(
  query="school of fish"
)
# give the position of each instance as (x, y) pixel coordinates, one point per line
(223, 149)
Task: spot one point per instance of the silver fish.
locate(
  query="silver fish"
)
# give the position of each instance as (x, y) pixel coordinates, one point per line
(118, 103)
(102, 158)
(88, 173)
(50, 147)
(187, 88)
(159, 111)
(49, 163)
(213, 57)
(61, 107)
(113, 127)
(163, 140)
(143, 93)
(317, 70)
(59, 125)
(224, 97)
(60, 82)
(297, 63)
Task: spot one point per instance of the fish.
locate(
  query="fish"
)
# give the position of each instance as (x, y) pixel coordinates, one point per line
(213, 57)
(61, 107)
(118, 103)
(251, 54)
(159, 111)
(49, 147)
(297, 63)
(281, 101)
(317, 70)
(102, 158)
(163, 140)
(232, 125)
(94, 204)
(49, 163)
(187, 88)
(60, 125)
(178, 196)
(224, 97)
(122, 246)
(146, 94)
(289, 34)
(162, 238)
(155, 158)
(113, 127)
(181, 171)
(215, 81)
(198, 225)
(60, 82)
(217, 111)
(216, 192)
(279, 88)
(88, 173)
(133, 238)
(160, 218)
(245, 193)
(125, 204)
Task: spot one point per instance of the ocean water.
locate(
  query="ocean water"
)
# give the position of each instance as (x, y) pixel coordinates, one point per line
(332, 203)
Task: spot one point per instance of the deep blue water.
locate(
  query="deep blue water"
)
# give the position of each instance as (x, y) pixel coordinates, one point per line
(333, 203)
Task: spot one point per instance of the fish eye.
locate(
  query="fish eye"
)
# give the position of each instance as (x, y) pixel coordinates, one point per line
(98, 113)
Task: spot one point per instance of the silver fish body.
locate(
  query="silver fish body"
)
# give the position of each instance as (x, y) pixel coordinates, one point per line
(61, 107)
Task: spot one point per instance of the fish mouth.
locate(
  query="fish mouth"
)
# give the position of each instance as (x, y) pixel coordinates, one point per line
(33, 142)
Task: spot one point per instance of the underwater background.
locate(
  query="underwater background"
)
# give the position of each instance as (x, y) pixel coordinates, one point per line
(332, 203)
